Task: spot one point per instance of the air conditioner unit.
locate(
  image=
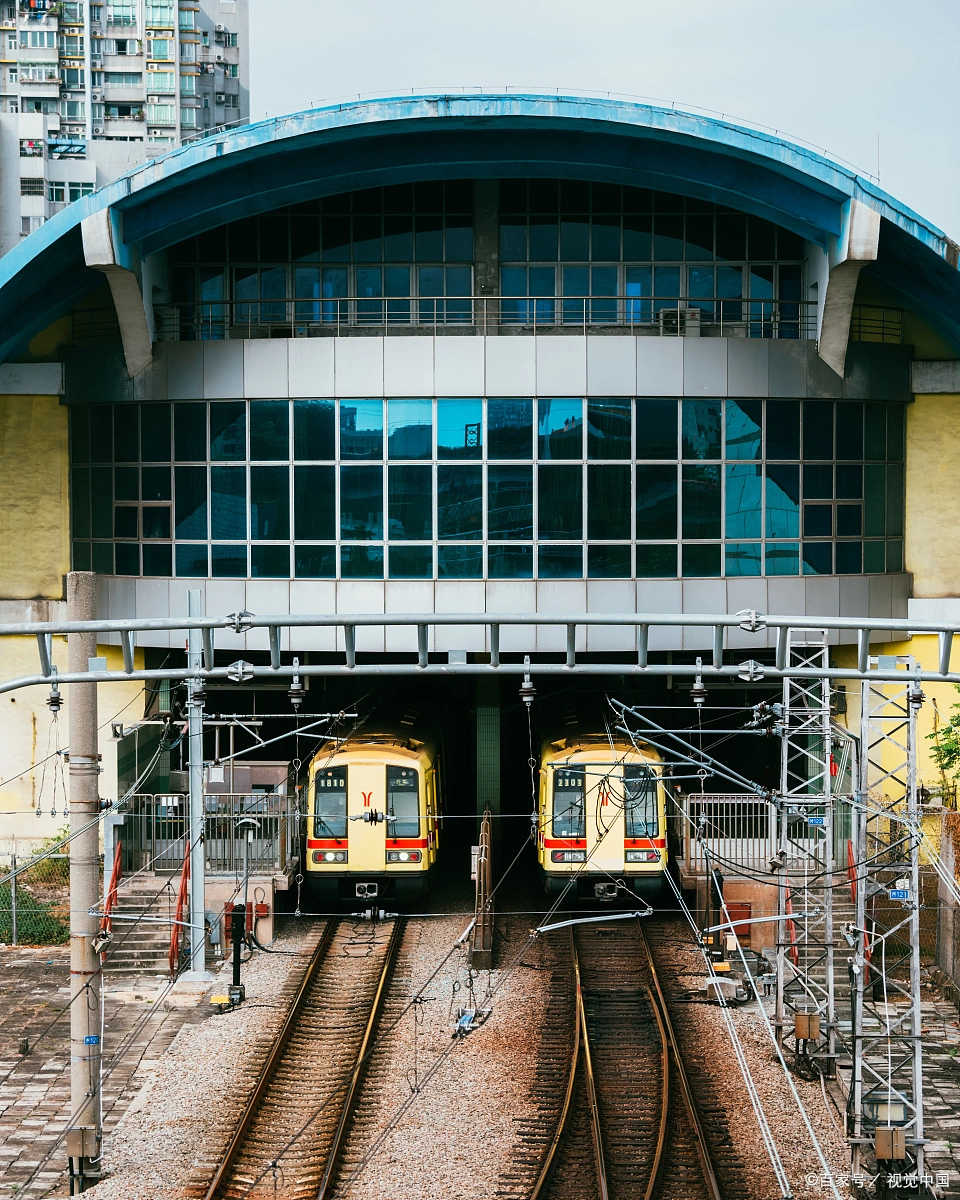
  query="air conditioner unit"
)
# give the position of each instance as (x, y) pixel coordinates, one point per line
(221, 97)
(219, 29)
(98, 129)
(679, 322)
(219, 58)
(94, 95)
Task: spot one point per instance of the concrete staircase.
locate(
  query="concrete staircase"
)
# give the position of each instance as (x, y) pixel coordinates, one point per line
(142, 924)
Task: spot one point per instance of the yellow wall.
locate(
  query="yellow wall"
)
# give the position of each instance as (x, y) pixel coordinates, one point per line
(932, 533)
(28, 734)
(34, 498)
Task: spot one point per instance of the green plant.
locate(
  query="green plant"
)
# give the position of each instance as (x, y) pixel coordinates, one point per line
(946, 743)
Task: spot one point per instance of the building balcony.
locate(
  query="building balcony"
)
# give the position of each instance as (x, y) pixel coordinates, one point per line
(514, 315)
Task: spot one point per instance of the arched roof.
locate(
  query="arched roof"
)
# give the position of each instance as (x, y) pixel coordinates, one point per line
(366, 143)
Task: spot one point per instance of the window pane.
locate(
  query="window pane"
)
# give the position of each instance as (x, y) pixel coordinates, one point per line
(229, 562)
(155, 433)
(894, 556)
(849, 483)
(849, 520)
(80, 499)
(656, 502)
(743, 558)
(510, 502)
(101, 491)
(128, 558)
(125, 521)
(744, 428)
(228, 431)
(191, 502)
(269, 503)
(875, 439)
(849, 558)
(411, 504)
(460, 562)
(510, 428)
(849, 430)
(313, 429)
(818, 558)
(817, 429)
(411, 562)
(783, 501)
(560, 503)
(818, 520)
(817, 482)
(701, 429)
(361, 429)
(126, 483)
(101, 433)
(510, 562)
(192, 561)
(126, 433)
(80, 433)
(228, 502)
(743, 501)
(657, 428)
(314, 502)
(874, 501)
(315, 562)
(270, 562)
(700, 561)
(895, 499)
(783, 559)
(874, 559)
(560, 428)
(361, 562)
(156, 522)
(269, 430)
(895, 432)
(460, 502)
(459, 428)
(103, 558)
(657, 562)
(608, 562)
(156, 483)
(189, 432)
(361, 503)
(608, 503)
(608, 428)
(560, 562)
(783, 429)
(701, 502)
(410, 428)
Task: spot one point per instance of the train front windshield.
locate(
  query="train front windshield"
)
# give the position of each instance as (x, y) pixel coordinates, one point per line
(330, 786)
(640, 802)
(403, 802)
(568, 787)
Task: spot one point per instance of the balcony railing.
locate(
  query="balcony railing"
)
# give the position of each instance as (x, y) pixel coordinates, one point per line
(665, 316)
(876, 323)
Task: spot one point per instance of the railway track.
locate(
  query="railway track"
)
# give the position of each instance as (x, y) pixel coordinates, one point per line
(291, 1131)
(621, 1119)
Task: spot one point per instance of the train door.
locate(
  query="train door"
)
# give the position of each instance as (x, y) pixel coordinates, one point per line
(604, 818)
(367, 795)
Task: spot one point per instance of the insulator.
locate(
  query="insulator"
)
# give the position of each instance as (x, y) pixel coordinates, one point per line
(54, 700)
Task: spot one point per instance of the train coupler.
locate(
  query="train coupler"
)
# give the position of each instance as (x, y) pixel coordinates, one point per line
(606, 891)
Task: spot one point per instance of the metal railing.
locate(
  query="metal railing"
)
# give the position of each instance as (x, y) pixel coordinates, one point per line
(481, 939)
(729, 832)
(34, 902)
(665, 316)
(156, 827)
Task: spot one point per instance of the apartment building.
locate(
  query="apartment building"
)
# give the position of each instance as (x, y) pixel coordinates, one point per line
(89, 89)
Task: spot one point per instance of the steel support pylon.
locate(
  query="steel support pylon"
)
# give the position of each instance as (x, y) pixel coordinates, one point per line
(886, 1089)
(806, 1019)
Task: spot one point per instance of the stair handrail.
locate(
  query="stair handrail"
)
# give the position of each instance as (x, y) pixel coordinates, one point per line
(106, 924)
(177, 931)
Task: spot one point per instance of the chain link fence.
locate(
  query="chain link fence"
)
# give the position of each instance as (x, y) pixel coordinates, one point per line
(35, 902)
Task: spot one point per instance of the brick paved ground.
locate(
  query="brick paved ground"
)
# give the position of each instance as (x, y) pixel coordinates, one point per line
(35, 1089)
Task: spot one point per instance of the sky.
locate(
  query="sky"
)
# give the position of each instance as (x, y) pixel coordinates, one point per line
(866, 80)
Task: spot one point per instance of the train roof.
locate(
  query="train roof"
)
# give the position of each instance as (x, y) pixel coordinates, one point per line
(586, 742)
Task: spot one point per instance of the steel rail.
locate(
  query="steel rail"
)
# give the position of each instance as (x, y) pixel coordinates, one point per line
(664, 1096)
(542, 1178)
(356, 1078)
(273, 1058)
(663, 1019)
(595, 1126)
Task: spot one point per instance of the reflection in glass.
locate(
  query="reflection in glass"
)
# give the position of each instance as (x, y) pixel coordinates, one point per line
(314, 503)
(361, 429)
(229, 562)
(701, 428)
(656, 429)
(743, 500)
(192, 561)
(560, 428)
(191, 502)
(700, 561)
(270, 562)
(411, 562)
(783, 429)
(510, 562)
(313, 429)
(510, 502)
(701, 502)
(410, 428)
(510, 428)
(459, 428)
(817, 429)
(818, 558)
(608, 502)
(850, 430)
(742, 558)
(361, 503)
(460, 562)
(849, 558)
(269, 430)
(608, 562)
(460, 502)
(656, 502)
(608, 428)
(269, 503)
(783, 500)
(560, 562)
(315, 562)
(361, 562)
(228, 502)
(783, 558)
(410, 504)
(744, 428)
(560, 496)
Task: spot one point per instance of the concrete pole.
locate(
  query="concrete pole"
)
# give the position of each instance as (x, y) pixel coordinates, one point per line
(198, 964)
(83, 1141)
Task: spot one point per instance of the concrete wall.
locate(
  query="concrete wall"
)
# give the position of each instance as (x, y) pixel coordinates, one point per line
(34, 497)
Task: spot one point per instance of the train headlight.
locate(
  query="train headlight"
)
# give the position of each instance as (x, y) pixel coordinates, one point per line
(647, 856)
(568, 856)
(329, 856)
(404, 856)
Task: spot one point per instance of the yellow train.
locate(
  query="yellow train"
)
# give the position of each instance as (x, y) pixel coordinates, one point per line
(372, 819)
(602, 829)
